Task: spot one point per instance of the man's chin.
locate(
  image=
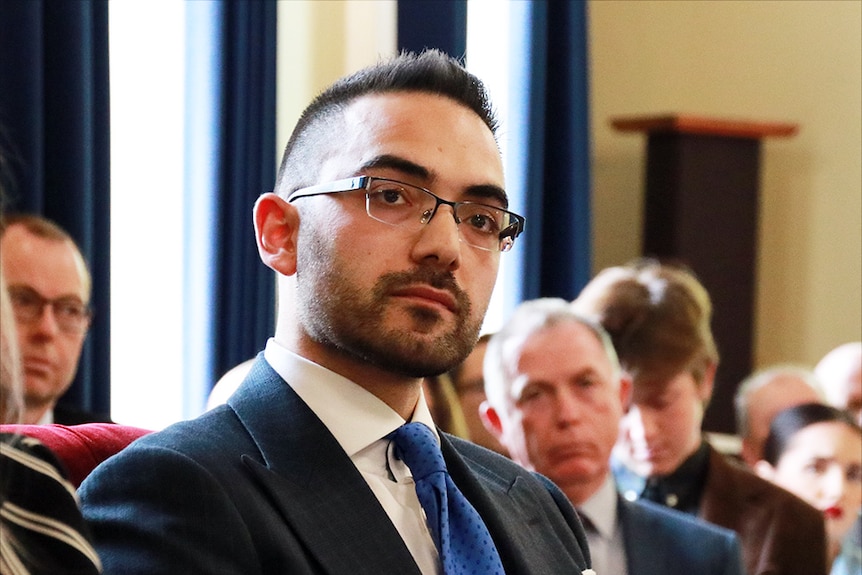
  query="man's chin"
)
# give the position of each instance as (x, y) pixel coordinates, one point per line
(40, 392)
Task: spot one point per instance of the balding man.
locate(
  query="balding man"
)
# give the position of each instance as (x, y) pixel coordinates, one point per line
(762, 395)
(840, 374)
(49, 287)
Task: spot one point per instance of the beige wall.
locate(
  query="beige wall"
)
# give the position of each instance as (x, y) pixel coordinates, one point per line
(786, 61)
(334, 38)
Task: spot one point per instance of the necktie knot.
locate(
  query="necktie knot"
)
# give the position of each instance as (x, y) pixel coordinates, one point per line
(416, 445)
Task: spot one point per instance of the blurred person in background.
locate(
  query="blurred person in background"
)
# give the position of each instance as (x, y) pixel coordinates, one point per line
(555, 399)
(41, 527)
(658, 317)
(815, 451)
(840, 374)
(763, 394)
(49, 288)
(469, 383)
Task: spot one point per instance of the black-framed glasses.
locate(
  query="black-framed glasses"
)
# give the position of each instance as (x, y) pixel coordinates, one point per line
(395, 203)
(70, 313)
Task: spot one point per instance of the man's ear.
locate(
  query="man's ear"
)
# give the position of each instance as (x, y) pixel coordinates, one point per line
(276, 226)
(625, 391)
(764, 470)
(491, 419)
(705, 389)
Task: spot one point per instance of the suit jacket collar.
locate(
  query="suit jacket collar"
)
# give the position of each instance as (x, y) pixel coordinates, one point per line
(724, 498)
(314, 484)
(324, 498)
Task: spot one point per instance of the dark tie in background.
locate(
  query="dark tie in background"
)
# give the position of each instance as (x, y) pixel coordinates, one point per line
(461, 537)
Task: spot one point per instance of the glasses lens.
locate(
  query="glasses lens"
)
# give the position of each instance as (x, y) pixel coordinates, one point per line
(71, 315)
(398, 204)
(26, 303)
(480, 225)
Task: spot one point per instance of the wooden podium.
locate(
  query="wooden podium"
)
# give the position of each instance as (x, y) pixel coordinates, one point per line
(701, 208)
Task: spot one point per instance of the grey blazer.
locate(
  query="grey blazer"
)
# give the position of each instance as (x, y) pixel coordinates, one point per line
(259, 485)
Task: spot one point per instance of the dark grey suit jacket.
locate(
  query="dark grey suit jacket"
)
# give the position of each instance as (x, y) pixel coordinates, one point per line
(260, 486)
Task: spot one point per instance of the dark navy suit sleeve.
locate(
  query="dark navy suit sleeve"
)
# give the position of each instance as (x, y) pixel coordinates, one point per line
(155, 511)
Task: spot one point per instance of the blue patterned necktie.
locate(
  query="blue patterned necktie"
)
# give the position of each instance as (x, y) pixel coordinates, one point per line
(461, 537)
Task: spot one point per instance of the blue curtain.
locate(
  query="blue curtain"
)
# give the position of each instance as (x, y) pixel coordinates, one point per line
(230, 161)
(550, 160)
(54, 112)
(433, 24)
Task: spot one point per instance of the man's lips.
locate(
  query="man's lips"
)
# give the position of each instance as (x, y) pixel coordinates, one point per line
(425, 292)
(36, 365)
(566, 452)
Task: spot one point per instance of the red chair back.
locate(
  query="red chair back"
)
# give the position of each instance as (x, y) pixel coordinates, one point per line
(80, 447)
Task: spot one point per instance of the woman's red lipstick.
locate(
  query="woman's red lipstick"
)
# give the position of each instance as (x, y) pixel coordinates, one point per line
(833, 512)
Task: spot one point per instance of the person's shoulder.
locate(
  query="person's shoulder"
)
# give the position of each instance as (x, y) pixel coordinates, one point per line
(683, 525)
(209, 441)
(486, 458)
(660, 535)
(29, 452)
(758, 491)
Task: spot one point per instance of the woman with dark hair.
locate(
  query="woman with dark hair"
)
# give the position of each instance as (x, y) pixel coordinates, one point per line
(815, 451)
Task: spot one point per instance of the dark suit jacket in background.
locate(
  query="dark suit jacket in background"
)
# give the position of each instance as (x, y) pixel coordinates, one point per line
(661, 541)
(67, 415)
(259, 485)
(780, 533)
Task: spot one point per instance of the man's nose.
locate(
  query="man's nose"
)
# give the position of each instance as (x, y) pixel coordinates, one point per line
(46, 321)
(440, 239)
(569, 409)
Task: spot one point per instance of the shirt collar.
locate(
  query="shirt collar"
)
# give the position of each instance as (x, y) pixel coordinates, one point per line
(682, 488)
(601, 508)
(354, 416)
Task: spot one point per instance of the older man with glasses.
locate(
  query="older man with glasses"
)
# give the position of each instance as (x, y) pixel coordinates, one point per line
(49, 288)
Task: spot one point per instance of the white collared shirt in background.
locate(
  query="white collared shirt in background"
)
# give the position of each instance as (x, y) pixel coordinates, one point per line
(360, 421)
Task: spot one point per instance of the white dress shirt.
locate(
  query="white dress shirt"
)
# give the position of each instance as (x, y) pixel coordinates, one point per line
(607, 548)
(360, 422)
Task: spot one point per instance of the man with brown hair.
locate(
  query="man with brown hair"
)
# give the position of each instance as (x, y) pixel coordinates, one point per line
(658, 317)
(49, 287)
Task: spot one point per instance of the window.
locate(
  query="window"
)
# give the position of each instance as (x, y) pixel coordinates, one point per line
(146, 47)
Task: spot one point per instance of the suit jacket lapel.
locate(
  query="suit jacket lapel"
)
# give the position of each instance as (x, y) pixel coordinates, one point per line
(322, 496)
(508, 508)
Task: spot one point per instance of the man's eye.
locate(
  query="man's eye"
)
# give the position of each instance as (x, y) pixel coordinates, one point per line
(530, 394)
(391, 196)
(482, 220)
(388, 194)
(69, 309)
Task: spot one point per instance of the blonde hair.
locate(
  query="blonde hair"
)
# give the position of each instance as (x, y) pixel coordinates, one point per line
(11, 384)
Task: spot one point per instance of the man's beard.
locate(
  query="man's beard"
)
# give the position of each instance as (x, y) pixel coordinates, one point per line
(334, 312)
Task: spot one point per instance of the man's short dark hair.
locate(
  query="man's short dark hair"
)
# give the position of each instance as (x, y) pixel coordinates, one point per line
(431, 72)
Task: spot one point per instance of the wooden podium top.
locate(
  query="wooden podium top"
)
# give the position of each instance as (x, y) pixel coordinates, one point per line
(704, 126)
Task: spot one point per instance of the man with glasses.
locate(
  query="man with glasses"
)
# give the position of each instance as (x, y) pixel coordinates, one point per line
(49, 287)
(385, 231)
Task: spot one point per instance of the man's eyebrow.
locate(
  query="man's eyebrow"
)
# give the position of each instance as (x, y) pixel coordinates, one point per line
(489, 192)
(479, 192)
(400, 164)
